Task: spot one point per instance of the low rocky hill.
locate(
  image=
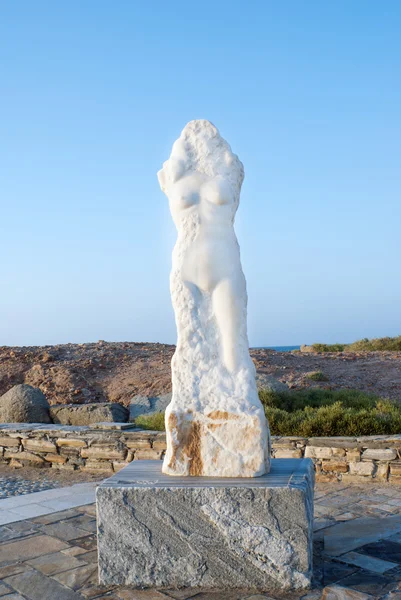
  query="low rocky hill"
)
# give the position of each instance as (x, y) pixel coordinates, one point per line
(115, 372)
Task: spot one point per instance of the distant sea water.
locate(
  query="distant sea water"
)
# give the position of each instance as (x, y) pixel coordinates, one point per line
(282, 348)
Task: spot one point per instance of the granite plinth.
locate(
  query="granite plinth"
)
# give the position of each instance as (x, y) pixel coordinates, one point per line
(155, 530)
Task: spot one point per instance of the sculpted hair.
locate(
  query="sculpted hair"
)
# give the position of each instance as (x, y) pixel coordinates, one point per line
(201, 149)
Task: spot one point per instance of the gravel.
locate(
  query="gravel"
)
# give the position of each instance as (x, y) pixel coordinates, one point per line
(18, 486)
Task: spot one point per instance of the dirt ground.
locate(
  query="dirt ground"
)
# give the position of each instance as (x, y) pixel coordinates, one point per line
(59, 477)
(115, 372)
(374, 372)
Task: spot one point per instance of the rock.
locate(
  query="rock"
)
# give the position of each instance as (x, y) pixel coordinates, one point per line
(59, 382)
(98, 465)
(288, 453)
(70, 443)
(339, 466)
(395, 468)
(382, 471)
(55, 458)
(270, 383)
(27, 458)
(323, 452)
(305, 348)
(106, 452)
(337, 592)
(215, 423)
(24, 404)
(87, 414)
(147, 454)
(353, 455)
(39, 445)
(326, 477)
(142, 444)
(213, 533)
(144, 405)
(118, 465)
(379, 454)
(113, 426)
(9, 441)
(362, 468)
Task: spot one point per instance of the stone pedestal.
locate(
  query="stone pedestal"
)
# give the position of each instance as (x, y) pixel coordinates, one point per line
(175, 532)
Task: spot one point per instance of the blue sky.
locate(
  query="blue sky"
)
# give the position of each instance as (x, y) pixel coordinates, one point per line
(94, 93)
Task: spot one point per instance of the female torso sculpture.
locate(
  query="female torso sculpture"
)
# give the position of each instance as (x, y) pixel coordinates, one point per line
(214, 391)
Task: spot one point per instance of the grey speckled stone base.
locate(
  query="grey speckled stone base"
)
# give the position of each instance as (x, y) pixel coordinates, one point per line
(155, 530)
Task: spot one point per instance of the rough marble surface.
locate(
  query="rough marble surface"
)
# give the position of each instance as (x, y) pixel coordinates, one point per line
(254, 533)
(215, 422)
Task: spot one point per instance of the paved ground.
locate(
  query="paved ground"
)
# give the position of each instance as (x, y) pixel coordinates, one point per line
(46, 502)
(53, 556)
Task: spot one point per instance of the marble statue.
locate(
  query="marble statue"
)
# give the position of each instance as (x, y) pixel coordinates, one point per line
(215, 423)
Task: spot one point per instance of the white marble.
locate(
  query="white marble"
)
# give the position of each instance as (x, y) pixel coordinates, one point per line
(215, 422)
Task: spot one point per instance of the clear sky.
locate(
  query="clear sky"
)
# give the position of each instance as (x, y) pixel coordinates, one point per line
(94, 93)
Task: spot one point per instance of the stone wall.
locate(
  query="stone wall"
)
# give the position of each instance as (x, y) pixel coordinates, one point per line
(108, 448)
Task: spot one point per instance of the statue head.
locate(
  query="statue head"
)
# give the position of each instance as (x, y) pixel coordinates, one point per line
(200, 149)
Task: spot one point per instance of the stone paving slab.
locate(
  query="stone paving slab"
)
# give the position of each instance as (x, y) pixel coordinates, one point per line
(46, 502)
(342, 537)
(29, 547)
(35, 586)
(54, 557)
(369, 563)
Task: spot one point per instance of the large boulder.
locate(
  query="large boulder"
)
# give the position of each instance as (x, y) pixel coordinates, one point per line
(306, 349)
(145, 405)
(88, 414)
(270, 383)
(24, 404)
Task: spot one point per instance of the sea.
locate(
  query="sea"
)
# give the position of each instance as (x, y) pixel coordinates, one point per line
(282, 348)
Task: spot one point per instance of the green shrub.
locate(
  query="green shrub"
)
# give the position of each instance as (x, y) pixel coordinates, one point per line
(155, 422)
(316, 412)
(317, 376)
(365, 345)
(292, 401)
(386, 343)
(334, 420)
(328, 347)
